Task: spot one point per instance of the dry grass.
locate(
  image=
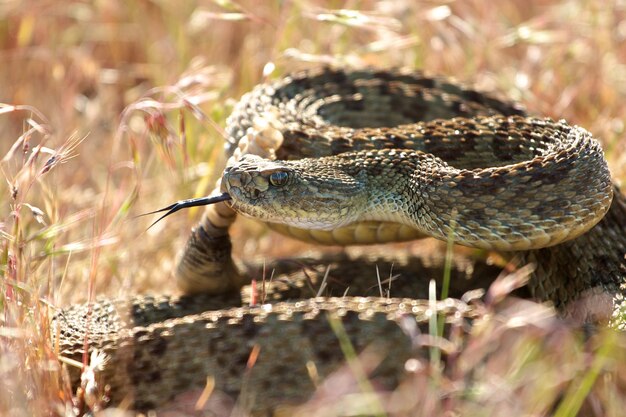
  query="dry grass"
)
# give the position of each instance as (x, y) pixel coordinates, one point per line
(97, 139)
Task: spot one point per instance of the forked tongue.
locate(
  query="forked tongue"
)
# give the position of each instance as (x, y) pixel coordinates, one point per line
(182, 204)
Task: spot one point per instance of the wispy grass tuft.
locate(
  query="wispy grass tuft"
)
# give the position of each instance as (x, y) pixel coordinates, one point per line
(115, 108)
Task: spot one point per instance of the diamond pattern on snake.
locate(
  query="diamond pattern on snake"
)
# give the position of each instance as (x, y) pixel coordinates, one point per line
(341, 157)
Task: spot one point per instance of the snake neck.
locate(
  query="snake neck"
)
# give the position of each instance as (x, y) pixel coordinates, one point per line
(500, 208)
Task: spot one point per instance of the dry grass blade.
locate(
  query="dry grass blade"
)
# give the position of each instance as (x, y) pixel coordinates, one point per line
(113, 108)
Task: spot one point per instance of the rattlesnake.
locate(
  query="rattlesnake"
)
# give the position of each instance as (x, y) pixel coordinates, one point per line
(441, 159)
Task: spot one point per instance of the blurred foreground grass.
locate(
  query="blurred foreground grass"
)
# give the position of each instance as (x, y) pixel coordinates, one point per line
(115, 108)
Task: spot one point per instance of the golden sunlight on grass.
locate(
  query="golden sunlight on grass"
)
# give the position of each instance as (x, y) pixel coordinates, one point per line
(116, 108)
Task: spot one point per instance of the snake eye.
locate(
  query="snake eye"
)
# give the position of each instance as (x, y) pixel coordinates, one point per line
(279, 178)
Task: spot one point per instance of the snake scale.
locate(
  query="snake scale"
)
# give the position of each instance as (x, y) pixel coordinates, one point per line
(362, 156)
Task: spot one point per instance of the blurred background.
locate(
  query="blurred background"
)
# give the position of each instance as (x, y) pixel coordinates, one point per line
(116, 108)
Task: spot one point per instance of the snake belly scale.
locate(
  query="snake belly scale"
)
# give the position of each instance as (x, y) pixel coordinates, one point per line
(365, 156)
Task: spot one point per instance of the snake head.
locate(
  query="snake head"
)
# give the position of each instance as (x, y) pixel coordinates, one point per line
(306, 193)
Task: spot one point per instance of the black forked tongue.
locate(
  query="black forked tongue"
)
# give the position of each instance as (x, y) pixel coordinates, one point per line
(182, 204)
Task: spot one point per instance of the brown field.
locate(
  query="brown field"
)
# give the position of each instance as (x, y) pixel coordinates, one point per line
(116, 108)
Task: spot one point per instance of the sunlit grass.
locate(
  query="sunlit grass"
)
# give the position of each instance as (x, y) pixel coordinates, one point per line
(117, 108)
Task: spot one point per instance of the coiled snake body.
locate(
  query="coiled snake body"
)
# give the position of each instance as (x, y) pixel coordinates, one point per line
(341, 157)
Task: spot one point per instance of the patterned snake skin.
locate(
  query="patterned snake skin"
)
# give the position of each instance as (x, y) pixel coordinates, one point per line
(341, 157)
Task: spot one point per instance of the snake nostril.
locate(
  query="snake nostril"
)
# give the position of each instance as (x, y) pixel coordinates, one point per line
(256, 193)
(234, 180)
(244, 178)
